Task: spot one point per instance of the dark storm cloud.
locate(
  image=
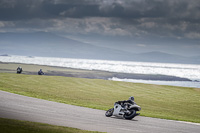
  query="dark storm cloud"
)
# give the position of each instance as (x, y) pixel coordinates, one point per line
(172, 25)
(177, 18)
(26, 9)
(45, 9)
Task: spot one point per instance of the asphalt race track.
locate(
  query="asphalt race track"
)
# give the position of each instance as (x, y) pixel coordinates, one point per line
(31, 109)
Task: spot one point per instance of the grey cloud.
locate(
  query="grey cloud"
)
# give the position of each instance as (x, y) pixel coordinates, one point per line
(23, 9)
(177, 18)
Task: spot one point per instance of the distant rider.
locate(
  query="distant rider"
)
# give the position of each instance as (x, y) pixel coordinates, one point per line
(40, 72)
(19, 70)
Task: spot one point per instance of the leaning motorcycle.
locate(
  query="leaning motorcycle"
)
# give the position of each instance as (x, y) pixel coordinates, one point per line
(127, 111)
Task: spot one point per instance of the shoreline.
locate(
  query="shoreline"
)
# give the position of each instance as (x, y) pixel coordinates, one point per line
(32, 69)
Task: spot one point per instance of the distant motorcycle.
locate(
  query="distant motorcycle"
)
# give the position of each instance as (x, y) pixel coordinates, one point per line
(19, 70)
(40, 72)
(127, 111)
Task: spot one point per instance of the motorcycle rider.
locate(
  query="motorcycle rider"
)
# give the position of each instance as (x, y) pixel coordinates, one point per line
(129, 101)
(19, 70)
(127, 109)
(40, 72)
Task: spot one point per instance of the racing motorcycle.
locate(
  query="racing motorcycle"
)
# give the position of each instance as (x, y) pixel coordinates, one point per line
(19, 70)
(127, 111)
(40, 72)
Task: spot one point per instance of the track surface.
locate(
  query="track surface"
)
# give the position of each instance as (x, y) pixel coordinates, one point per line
(31, 109)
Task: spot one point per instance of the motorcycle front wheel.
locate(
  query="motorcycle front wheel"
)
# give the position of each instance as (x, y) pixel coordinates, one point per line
(130, 115)
(109, 113)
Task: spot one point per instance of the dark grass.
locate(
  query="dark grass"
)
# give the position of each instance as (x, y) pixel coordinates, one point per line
(18, 126)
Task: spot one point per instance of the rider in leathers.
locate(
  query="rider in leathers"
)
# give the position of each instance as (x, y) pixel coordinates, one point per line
(130, 101)
(127, 103)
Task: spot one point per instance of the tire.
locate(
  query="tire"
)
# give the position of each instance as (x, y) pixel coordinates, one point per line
(131, 115)
(18, 72)
(109, 113)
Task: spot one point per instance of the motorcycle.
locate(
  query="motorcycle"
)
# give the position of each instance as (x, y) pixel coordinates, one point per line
(19, 70)
(127, 111)
(40, 72)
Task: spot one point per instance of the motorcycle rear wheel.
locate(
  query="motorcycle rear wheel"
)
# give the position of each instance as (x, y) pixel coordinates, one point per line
(131, 115)
(109, 113)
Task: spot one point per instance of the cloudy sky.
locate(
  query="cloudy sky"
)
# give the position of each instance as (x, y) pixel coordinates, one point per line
(171, 26)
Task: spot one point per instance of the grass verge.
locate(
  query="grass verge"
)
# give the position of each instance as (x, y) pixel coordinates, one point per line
(18, 126)
(167, 102)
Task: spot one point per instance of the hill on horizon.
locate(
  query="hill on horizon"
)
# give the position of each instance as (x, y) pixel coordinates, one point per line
(51, 45)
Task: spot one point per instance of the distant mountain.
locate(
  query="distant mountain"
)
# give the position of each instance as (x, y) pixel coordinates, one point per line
(51, 45)
(48, 44)
(196, 57)
(165, 57)
(4, 55)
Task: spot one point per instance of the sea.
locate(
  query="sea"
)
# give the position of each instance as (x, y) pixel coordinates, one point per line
(189, 71)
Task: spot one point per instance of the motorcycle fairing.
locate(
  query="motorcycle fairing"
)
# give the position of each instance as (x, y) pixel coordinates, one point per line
(136, 107)
(117, 110)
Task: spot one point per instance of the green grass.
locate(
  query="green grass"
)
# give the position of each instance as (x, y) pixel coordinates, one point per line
(167, 102)
(17, 126)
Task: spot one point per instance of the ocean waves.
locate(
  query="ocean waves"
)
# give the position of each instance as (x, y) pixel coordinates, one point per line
(193, 84)
(189, 71)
